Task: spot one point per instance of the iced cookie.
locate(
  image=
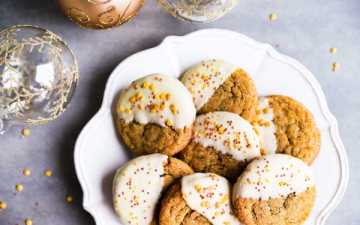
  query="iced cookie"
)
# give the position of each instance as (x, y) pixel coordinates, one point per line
(218, 86)
(155, 114)
(286, 126)
(276, 189)
(222, 143)
(199, 199)
(138, 185)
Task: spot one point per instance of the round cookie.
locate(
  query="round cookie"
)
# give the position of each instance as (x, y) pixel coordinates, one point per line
(155, 115)
(219, 86)
(222, 143)
(276, 189)
(199, 199)
(286, 126)
(138, 185)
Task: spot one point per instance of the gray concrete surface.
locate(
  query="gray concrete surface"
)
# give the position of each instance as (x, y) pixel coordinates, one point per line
(305, 30)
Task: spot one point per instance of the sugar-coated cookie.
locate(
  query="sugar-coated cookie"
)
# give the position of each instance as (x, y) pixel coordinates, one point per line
(276, 189)
(286, 126)
(138, 185)
(219, 86)
(222, 143)
(155, 114)
(199, 199)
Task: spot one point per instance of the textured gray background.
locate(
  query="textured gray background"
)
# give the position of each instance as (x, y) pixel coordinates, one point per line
(306, 29)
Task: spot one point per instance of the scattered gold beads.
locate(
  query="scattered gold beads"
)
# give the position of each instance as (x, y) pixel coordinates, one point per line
(19, 187)
(3, 205)
(25, 132)
(173, 109)
(26, 172)
(69, 199)
(333, 50)
(48, 173)
(273, 17)
(28, 222)
(335, 66)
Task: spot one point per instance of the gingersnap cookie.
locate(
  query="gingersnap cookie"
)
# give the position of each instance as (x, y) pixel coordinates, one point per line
(138, 185)
(155, 114)
(218, 86)
(286, 126)
(222, 143)
(199, 199)
(276, 189)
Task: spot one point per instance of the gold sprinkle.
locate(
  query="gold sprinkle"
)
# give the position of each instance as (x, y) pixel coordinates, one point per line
(26, 132)
(154, 108)
(164, 96)
(205, 204)
(28, 222)
(26, 172)
(198, 187)
(266, 110)
(223, 200)
(220, 129)
(335, 66)
(19, 187)
(162, 106)
(152, 87)
(273, 17)
(173, 109)
(48, 173)
(168, 96)
(333, 50)
(69, 199)
(146, 85)
(3, 205)
(169, 123)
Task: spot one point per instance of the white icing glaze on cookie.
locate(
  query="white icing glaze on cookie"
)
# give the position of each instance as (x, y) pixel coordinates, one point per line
(158, 99)
(273, 176)
(203, 79)
(209, 195)
(227, 133)
(267, 127)
(137, 189)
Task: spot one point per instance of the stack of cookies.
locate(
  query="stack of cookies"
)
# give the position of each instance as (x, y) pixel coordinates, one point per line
(211, 151)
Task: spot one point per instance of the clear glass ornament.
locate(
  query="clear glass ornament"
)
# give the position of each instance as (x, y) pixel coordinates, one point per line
(198, 10)
(38, 76)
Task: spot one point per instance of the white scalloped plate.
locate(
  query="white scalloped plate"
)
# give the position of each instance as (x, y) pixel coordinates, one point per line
(98, 152)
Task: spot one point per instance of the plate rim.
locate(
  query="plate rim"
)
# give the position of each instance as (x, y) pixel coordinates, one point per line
(310, 78)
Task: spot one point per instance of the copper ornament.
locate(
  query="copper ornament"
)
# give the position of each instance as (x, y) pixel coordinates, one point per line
(100, 14)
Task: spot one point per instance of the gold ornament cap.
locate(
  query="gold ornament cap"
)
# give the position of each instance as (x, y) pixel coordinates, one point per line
(100, 14)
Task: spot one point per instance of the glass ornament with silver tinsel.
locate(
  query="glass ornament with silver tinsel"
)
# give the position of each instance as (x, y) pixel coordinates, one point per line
(38, 76)
(198, 10)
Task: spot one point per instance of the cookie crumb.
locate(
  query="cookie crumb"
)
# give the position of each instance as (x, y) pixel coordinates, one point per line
(3, 205)
(48, 173)
(335, 66)
(26, 172)
(273, 17)
(25, 132)
(333, 50)
(19, 187)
